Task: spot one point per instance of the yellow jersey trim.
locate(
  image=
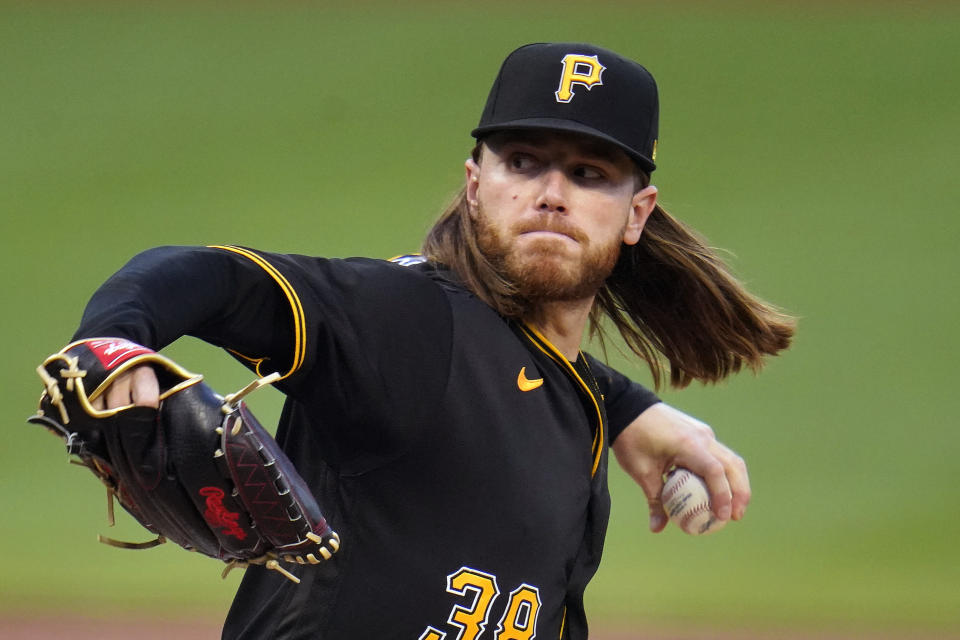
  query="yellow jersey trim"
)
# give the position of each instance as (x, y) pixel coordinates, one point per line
(296, 308)
(256, 363)
(547, 347)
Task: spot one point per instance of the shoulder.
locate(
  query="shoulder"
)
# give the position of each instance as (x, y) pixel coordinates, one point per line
(407, 284)
(397, 294)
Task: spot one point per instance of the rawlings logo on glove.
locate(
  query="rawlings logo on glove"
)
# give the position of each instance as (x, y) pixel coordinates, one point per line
(199, 471)
(217, 515)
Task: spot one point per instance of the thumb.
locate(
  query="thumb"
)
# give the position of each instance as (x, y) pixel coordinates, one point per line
(658, 517)
(652, 485)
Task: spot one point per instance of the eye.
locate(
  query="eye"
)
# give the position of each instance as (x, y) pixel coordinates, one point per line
(587, 172)
(523, 162)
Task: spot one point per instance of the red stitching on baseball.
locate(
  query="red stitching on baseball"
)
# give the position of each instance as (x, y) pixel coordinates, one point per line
(695, 511)
(682, 480)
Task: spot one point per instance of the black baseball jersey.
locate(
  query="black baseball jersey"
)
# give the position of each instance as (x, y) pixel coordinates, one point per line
(460, 456)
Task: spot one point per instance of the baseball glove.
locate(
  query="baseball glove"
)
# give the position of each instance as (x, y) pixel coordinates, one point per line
(200, 471)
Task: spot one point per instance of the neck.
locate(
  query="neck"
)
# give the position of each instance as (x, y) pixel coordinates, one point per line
(562, 323)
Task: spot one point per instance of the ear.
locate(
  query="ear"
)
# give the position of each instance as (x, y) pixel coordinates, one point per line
(641, 206)
(473, 184)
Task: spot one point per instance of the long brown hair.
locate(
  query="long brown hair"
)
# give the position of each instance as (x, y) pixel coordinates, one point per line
(669, 294)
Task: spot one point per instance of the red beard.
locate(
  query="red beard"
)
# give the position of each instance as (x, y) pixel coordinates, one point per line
(540, 271)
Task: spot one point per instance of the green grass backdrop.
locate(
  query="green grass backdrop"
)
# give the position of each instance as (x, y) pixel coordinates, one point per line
(817, 142)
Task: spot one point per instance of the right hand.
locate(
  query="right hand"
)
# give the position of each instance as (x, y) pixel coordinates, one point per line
(662, 437)
(137, 386)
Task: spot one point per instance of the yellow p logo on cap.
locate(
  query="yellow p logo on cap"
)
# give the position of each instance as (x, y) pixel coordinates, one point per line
(578, 69)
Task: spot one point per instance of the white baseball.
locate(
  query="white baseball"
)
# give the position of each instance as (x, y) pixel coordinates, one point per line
(686, 500)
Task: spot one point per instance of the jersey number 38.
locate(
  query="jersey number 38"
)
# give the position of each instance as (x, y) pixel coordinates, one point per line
(479, 593)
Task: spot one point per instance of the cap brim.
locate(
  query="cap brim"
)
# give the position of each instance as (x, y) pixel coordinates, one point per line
(558, 124)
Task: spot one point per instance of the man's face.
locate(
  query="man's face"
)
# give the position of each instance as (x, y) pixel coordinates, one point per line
(552, 210)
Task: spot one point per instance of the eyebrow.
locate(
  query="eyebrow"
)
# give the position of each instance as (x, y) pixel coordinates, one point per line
(604, 150)
(585, 145)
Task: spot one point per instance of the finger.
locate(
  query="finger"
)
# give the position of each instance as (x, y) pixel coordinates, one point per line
(118, 394)
(713, 472)
(739, 481)
(721, 496)
(145, 389)
(138, 386)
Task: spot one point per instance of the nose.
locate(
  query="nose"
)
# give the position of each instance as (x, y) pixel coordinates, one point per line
(553, 192)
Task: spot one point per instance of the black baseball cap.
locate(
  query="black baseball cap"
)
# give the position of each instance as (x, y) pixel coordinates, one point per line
(576, 87)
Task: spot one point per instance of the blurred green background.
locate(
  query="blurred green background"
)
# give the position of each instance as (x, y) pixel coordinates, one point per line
(817, 142)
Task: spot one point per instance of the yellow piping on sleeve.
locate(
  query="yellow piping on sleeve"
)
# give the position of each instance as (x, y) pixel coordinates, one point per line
(256, 363)
(296, 307)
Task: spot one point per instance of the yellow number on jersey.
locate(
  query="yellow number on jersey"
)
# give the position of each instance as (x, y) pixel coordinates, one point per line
(519, 621)
(472, 619)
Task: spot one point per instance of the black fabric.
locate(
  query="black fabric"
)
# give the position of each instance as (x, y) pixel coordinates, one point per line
(407, 418)
(624, 399)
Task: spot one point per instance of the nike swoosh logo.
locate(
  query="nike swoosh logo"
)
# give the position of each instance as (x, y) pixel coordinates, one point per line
(525, 384)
